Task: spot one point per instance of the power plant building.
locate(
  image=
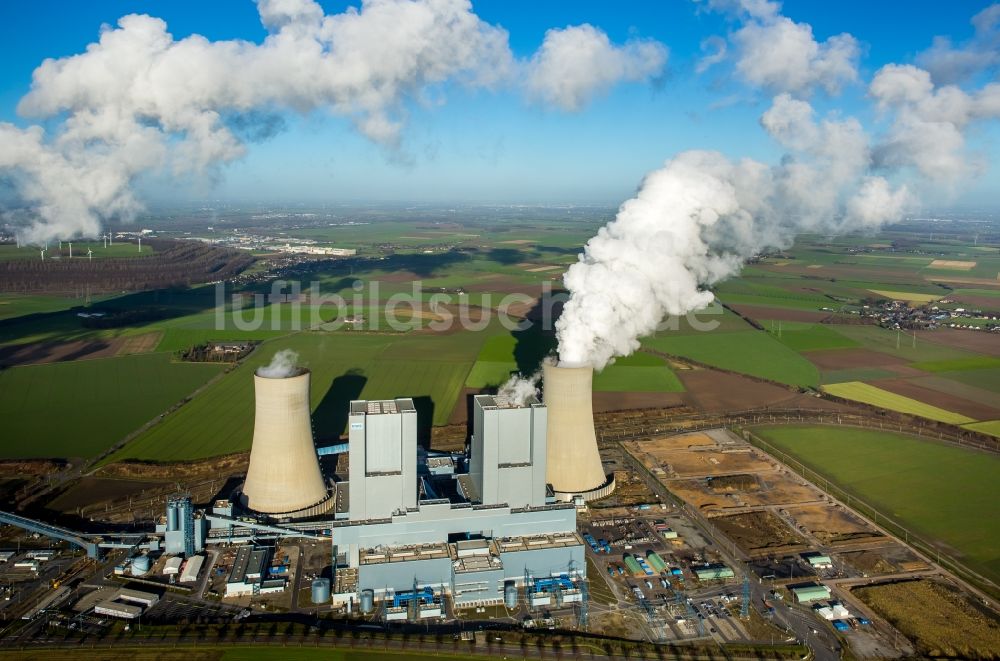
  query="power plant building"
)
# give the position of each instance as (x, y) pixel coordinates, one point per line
(507, 463)
(422, 523)
(383, 458)
(407, 525)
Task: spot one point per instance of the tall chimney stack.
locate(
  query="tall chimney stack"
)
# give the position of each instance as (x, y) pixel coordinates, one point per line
(572, 460)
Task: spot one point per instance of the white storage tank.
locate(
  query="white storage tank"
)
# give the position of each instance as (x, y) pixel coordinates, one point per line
(367, 601)
(510, 595)
(321, 591)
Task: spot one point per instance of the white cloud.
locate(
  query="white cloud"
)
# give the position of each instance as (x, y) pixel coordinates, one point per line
(950, 64)
(715, 49)
(781, 55)
(577, 63)
(929, 122)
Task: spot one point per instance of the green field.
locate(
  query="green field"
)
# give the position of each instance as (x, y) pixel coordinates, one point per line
(749, 352)
(81, 408)
(991, 427)
(807, 337)
(869, 394)
(959, 365)
(640, 372)
(942, 492)
(344, 366)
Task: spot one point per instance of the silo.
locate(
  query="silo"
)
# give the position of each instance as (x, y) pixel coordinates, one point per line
(171, 517)
(367, 601)
(140, 565)
(321, 591)
(572, 461)
(510, 595)
(284, 475)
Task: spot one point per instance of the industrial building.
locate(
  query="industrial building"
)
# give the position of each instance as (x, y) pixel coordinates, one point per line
(182, 528)
(467, 534)
(118, 609)
(408, 526)
(812, 592)
(249, 574)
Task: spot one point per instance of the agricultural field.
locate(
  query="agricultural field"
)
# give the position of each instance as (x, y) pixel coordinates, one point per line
(939, 491)
(869, 394)
(506, 354)
(749, 352)
(81, 408)
(940, 621)
(344, 366)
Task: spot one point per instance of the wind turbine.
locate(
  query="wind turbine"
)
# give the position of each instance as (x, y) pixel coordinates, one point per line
(90, 254)
(71, 250)
(105, 237)
(43, 254)
(140, 244)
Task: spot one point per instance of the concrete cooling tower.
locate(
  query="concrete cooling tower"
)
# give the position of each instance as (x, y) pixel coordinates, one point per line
(572, 460)
(284, 476)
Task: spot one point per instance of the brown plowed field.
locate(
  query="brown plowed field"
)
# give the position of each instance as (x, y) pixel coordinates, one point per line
(54, 352)
(946, 385)
(719, 392)
(979, 341)
(841, 359)
(760, 312)
(943, 400)
(621, 401)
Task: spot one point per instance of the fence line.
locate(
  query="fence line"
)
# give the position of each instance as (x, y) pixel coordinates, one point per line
(879, 518)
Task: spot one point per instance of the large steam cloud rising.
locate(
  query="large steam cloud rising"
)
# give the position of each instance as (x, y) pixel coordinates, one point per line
(698, 219)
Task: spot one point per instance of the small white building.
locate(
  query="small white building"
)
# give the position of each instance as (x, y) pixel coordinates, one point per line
(117, 609)
(173, 566)
(192, 568)
(145, 599)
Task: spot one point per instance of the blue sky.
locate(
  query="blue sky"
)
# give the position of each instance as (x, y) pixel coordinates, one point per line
(477, 145)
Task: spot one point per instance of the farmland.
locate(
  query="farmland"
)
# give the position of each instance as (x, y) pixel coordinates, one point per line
(750, 352)
(79, 409)
(800, 331)
(940, 491)
(344, 366)
(869, 394)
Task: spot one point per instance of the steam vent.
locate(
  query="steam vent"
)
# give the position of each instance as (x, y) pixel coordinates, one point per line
(572, 460)
(284, 476)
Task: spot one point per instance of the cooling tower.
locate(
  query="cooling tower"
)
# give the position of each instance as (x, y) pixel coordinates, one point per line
(284, 475)
(573, 463)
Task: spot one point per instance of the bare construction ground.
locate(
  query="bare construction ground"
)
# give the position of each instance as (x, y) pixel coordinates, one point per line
(698, 462)
(772, 488)
(832, 524)
(760, 533)
(892, 558)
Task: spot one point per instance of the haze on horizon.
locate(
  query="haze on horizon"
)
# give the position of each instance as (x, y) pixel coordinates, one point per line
(149, 102)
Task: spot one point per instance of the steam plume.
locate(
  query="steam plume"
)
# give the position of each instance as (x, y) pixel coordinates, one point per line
(696, 221)
(283, 365)
(518, 389)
